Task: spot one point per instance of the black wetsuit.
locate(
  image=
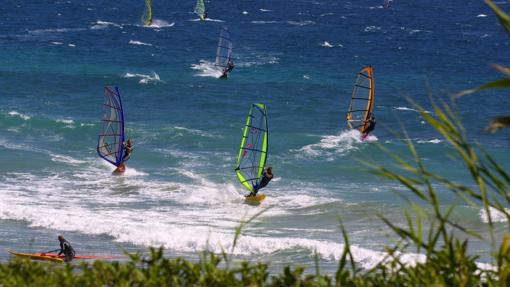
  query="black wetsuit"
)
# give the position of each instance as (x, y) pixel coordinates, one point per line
(67, 250)
(370, 127)
(263, 182)
(227, 70)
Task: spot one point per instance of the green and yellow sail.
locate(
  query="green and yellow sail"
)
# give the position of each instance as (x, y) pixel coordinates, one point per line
(147, 13)
(200, 9)
(253, 151)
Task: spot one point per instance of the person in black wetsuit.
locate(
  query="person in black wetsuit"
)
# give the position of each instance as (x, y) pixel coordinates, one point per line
(369, 127)
(267, 175)
(230, 67)
(66, 249)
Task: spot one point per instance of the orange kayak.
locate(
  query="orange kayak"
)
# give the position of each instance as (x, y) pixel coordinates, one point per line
(54, 257)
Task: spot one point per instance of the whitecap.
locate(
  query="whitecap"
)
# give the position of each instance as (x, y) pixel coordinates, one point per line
(104, 24)
(496, 215)
(262, 22)
(408, 109)
(372, 29)
(301, 23)
(144, 79)
(432, 141)
(326, 44)
(134, 42)
(20, 115)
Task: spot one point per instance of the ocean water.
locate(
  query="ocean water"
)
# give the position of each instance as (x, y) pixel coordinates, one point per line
(299, 57)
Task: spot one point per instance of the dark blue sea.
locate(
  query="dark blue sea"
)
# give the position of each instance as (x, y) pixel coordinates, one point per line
(300, 58)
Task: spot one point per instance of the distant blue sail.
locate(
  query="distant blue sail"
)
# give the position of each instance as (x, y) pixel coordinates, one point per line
(110, 145)
(224, 51)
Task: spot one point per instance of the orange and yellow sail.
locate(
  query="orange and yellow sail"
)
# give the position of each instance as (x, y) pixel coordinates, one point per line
(362, 100)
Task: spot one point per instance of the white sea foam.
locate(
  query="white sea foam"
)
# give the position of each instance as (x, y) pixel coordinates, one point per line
(158, 23)
(57, 43)
(207, 69)
(481, 16)
(143, 78)
(496, 215)
(207, 19)
(56, 30)
(245, 12)
(372, 28)
(9, 145)
(263, 22)
(408, 109)
(265, 10)
(95, 203)
(196, 132)
(65, 121)
(104, 24)
(66, 159)
(301, 23)
(134, 42)
(258, 60)
(332, 145)
(176, 229)
(432, 141)
(20, 115)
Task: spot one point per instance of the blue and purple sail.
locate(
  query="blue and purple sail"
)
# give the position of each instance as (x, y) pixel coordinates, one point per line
(110, 145)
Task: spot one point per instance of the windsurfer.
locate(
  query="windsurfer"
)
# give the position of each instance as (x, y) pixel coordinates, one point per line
(267, 175)
(66, 249)
(204, 16)
(369, 127)
(230, 67)
(128, 149)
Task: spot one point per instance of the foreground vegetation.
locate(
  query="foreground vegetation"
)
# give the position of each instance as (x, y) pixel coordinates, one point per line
(429, 231)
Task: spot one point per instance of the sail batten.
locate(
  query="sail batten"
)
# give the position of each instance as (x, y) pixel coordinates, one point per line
(110, 141)
(253, 151)
(362, 100)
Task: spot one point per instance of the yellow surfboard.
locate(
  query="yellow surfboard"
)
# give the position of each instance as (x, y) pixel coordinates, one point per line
(255, 199)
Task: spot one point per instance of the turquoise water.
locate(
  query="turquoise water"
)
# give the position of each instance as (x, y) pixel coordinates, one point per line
(300, 58)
